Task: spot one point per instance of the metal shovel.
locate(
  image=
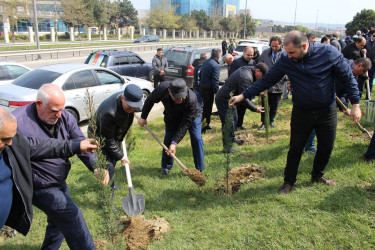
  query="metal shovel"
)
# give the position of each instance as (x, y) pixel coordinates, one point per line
(133, 204)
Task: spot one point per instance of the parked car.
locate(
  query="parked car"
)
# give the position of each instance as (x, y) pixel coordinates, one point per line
(75, 80)
(181, 62)
(147, 39)
(241, 47)
(125, 63)
(10, 71)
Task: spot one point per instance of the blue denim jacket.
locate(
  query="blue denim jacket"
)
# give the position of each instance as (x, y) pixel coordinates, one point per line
(312, 79)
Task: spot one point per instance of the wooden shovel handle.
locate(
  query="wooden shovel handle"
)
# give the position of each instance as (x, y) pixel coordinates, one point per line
(358, 124)
(162, 144)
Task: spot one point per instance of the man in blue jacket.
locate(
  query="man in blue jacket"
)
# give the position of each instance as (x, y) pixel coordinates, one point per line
(209, 85)
(312, 69)
(46, 119)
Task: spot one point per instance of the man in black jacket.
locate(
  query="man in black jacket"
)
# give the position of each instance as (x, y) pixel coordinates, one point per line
(224, 46)
(113, 118)
(16, 183)
(182, 113)
(197, 69)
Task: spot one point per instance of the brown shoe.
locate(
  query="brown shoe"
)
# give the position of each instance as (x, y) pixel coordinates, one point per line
(285, 189)
(323, 180)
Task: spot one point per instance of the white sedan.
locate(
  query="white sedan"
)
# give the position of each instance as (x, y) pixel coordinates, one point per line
(74, 80)
(10, 71)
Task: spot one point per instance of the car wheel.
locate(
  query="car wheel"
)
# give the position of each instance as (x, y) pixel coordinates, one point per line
(74, 113)
(151, 76)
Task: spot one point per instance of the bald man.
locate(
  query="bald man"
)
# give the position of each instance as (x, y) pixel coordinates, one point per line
(46, 119)
(16, 185)
(312, 69)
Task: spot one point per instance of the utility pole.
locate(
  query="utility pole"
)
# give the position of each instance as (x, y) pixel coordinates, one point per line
(316, 22)
(295, 15)
(36, 27)
(244, 27)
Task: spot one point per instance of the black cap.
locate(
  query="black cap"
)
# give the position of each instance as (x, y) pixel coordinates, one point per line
(262, 67)
(133, 95)
(178, 88)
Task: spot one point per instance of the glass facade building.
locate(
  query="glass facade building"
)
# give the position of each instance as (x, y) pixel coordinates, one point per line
(211, 7)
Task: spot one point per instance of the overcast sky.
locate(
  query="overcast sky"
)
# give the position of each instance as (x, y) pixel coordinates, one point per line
(328, 11)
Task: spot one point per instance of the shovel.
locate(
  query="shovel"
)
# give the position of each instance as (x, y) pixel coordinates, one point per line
(133, 204)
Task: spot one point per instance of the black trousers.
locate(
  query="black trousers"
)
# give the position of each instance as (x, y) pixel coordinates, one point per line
(241, 111)
(158, 79)
(302, 122)
(273, 103)
(207, 95)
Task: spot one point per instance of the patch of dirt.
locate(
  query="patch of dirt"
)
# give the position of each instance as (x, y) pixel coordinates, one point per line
(249, 138)
(139, 232)
(196, 176)
(100, 244)
(238, 176)
(7, 232)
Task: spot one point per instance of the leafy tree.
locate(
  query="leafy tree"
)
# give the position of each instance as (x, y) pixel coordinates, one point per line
(228, 24)
(125, 15)
(302, 29)
(163, 16)
(250, 24)
(13, 10)
(203, 20)
(361, 21)
(76, 13)
(187, 22)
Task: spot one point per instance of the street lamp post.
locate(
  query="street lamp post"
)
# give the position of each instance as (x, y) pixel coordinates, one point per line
(295, 15)
(36, 27)
(244, 27)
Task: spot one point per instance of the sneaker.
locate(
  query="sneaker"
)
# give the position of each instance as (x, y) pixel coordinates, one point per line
(164, 171)
(311, 150)
(261, 127)
(323, 180)
(285, 189)
(239, 142)
(233, 151)
(272, 125)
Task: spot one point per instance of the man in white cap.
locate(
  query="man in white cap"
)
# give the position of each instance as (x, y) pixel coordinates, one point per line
(182, 112)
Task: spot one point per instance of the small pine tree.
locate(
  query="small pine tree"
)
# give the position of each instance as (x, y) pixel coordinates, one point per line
(227, 140)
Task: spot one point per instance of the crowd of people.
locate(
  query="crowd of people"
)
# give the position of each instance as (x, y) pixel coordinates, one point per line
(37, 140)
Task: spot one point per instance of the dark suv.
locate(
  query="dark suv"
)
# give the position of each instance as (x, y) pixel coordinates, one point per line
(181, 61)
(125, 63)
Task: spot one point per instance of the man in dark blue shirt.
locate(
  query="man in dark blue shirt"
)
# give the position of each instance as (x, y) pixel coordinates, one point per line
(312, 69)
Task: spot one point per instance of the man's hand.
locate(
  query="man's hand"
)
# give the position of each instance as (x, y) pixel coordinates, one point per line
(260, 110)
(288, 87)
(88, 145)
(364, 51)
(172, 149)
(161, 72)
(235, 99)
(262, 94)
(102, 175)
(347, 112)
(142, 122)
(355, 113)
(124, 161)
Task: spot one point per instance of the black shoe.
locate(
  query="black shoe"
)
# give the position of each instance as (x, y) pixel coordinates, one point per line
(367, 159)
(239, 142)
(233, 151)
(323, 180)
(285, 189)
(261, 127)
(164, 171)
(272, 125)
(240, 128)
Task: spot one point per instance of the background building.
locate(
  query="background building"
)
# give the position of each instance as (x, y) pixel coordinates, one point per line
(211, 7)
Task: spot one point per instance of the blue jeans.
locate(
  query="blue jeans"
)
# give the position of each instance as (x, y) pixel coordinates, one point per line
(370, 153)
(199, 98)
(222, 108)
(196, 144)
(310, 141)
(65, 219)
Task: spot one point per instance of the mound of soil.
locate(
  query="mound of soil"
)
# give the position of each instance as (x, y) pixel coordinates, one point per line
(237, 176)
(196, 176)
(138, 231)
(248, 138)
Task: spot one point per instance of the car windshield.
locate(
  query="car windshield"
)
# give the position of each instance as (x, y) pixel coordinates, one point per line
(240, 48)
(97, 59)
(177, 56)
(36, 78)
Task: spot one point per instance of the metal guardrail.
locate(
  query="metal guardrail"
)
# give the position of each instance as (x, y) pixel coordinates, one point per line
(76, 51)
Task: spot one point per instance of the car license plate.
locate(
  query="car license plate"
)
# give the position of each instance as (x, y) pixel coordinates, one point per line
(173, 70)
(4, 103)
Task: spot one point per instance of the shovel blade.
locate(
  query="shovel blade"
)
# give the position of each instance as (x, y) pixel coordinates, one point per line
(133, 204)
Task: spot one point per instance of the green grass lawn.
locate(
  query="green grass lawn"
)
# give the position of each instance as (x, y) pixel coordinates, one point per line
(311, 217)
